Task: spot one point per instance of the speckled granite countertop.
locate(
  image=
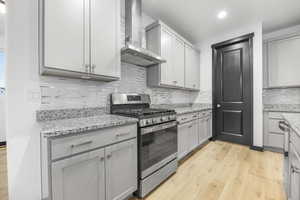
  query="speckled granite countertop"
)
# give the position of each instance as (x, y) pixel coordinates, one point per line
(191, 109)
(282, 108)
(294, 120)
(81, 125)
(185, 108)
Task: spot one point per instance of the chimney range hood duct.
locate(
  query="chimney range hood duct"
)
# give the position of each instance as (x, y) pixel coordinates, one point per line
(133, 52)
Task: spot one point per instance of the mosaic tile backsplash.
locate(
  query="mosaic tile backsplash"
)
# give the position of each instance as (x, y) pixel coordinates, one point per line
(282, 96)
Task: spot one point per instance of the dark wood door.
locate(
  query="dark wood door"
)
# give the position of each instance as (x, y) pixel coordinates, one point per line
(233, 91)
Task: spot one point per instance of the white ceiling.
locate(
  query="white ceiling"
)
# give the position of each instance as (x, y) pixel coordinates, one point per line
(197, 19)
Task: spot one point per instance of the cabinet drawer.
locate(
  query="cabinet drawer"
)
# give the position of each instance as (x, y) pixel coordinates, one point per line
(273, 126)
(187, 117)
(295, 140)
(68, 146)
(275, 115)
(274, 140)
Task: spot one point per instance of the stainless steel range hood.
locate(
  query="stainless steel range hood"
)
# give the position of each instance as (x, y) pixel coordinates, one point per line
(133, 52)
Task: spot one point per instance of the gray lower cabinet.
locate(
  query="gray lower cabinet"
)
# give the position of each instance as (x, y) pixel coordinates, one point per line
(183, 139)
(121, 170)
(205, 129)
(273, 136)
(294, 173)
(79, 177)
(193, 135)
(106, 174)
(193, 132)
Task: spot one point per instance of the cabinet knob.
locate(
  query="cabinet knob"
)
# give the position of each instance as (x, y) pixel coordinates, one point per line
(108, 156)
(218, 105)
(102, 159)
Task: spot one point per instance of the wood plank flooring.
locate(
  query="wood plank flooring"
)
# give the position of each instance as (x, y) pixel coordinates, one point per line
(3, 174)
(219, 171)
(224, 171)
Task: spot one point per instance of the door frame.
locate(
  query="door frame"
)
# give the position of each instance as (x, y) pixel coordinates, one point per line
(249, 38)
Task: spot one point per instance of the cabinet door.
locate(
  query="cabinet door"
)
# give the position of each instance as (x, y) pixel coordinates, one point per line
(209, 129)
(193, 135)
(166, 53)
(105, 37)
(121, 170)
(192, 68)
(183, 141)
(294, 174)
(177, 62)
(202, 130)
(283, 62)
(64, 34)
(79, 177)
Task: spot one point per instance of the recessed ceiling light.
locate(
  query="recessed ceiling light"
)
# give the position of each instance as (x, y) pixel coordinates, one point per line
(222, 14)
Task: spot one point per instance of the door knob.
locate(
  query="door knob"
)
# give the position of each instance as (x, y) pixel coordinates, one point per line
(218, 105)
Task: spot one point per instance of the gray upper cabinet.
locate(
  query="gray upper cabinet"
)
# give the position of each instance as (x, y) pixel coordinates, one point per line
(77, 41)
(282, 62)
(192, 68)
(181, 69)
(79, 177)
(121, 170)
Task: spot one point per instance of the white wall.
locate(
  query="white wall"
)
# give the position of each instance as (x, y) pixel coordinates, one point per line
(206, 72)
(23, 100)
(2, 118)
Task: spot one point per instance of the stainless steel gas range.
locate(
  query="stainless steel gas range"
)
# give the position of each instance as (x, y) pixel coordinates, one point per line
(157, 139)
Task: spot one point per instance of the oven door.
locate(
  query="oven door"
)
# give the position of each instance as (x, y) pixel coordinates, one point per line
(158, 146)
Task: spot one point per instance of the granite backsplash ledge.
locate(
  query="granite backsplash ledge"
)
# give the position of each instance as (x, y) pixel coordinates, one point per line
(282, 107)
(70, 113)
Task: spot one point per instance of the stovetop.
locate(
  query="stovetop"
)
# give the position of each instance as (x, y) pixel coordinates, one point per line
(138, 106)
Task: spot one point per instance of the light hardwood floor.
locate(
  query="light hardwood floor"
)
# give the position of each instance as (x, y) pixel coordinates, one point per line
(219, 171)
(3, 175)
(224, 171)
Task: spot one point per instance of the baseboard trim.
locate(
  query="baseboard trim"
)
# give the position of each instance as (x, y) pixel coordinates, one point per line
(256, 148)
(2, 144)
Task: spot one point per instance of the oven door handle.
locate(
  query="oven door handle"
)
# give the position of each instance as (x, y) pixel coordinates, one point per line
(159, 127)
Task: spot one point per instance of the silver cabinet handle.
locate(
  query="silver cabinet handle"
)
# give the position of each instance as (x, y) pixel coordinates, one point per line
(93, 68)
(295, 170)
(87, 68)
(81, 144)
(122, 134)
